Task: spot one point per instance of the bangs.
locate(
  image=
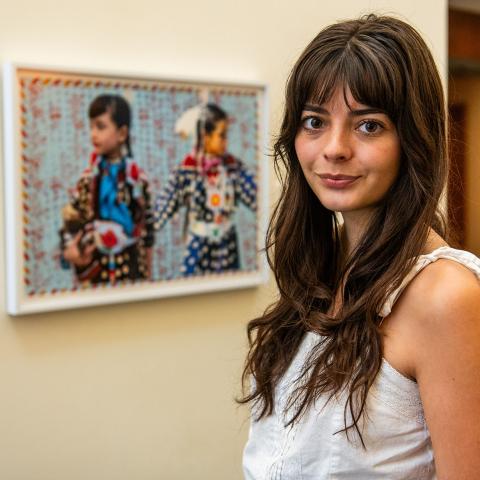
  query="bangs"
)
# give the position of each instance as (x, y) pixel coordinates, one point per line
(98, 107)
(373, 78)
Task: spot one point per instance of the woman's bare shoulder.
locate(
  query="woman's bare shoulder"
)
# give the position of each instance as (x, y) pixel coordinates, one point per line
(440, 304)
(442, 311)
(443, 287)
(442, 295)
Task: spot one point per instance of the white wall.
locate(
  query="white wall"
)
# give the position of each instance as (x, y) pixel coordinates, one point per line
(145, 391)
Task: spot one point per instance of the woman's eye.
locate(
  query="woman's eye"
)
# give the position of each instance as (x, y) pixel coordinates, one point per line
(312, 123)
(370, 127)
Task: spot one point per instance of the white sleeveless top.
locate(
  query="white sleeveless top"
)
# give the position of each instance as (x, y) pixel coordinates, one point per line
(395, 433)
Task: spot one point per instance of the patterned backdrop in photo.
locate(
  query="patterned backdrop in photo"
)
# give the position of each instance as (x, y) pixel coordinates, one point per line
(56, 148)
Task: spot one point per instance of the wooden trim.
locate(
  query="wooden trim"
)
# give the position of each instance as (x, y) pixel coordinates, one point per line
(456, 177)
(463, 28)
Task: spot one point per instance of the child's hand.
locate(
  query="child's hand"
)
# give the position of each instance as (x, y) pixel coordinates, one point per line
(73, 254)
(70, 213)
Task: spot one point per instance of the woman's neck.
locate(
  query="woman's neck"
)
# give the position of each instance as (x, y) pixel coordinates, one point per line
(356, 223)
(434, 241)
(354, 226)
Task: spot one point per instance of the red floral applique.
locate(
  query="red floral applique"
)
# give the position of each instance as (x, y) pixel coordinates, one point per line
(109, 239)
(134, 172)
(189, 161)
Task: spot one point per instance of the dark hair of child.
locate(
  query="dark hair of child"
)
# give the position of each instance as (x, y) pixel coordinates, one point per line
(211, 114)
(119, 110)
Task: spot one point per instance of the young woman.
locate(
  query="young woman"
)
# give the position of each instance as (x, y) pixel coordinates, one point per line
(210, 183)
(108, 230)
(368, 364)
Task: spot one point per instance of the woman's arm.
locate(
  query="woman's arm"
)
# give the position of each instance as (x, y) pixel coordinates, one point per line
(447, 366)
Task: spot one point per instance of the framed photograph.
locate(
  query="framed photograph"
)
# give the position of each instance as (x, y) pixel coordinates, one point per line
(122, 188)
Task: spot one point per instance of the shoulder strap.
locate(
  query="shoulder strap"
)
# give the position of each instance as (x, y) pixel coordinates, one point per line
(467, 259)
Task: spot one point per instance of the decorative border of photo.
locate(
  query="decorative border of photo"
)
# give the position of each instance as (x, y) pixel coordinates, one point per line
(172, 200)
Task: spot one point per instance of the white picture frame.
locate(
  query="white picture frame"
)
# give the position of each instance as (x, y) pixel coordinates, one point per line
(38, 178)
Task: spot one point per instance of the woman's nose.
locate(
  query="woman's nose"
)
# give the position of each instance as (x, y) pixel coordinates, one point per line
(338, 146)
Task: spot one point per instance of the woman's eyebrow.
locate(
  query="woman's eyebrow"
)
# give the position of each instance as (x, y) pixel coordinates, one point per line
(353, 112)
(367, 111)
(310, 107)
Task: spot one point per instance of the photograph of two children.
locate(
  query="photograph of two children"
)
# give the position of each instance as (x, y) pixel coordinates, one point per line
(117, 183)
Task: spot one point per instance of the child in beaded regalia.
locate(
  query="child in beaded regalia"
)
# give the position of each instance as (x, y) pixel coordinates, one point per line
(210, 183)
(107, 231)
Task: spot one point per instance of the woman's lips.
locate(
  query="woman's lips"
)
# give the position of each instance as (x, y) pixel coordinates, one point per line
(337, 181)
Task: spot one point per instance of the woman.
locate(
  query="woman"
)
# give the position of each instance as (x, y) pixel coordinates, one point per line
(367, 365)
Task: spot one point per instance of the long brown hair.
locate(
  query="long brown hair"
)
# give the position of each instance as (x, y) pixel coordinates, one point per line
(385, 64)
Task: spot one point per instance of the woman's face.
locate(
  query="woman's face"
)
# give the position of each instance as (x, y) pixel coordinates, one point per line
(215, 143)
(349, 153)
